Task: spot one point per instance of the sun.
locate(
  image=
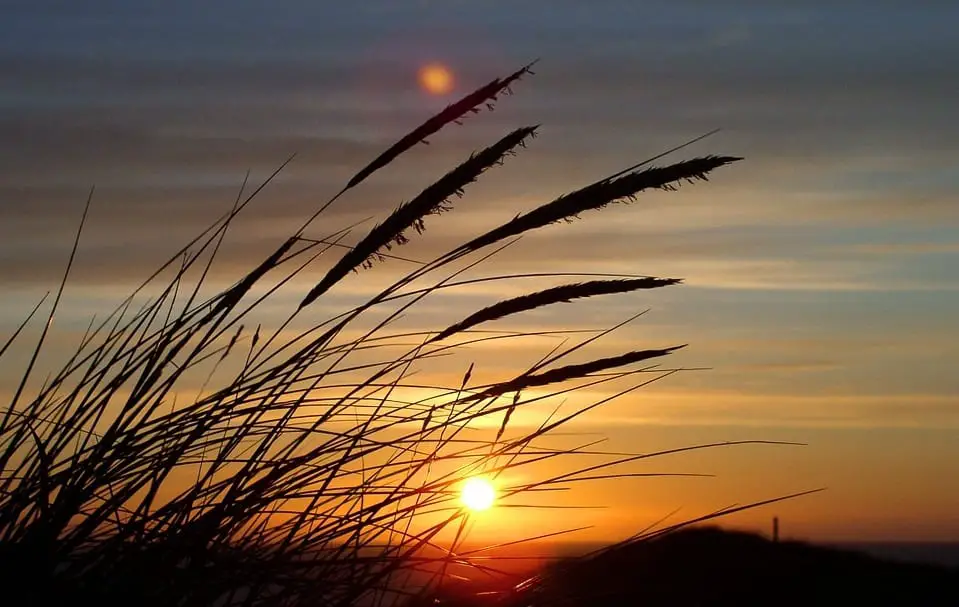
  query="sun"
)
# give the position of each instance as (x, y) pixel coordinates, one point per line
(478, 494)
(436, 79)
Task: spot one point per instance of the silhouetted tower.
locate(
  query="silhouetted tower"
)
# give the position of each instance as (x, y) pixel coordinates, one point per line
(775, 528)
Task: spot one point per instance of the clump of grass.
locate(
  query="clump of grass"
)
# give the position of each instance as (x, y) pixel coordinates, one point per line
(302, 473)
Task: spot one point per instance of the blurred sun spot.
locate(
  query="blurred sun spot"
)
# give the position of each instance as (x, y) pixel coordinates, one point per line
(478, 494)
(436, 79)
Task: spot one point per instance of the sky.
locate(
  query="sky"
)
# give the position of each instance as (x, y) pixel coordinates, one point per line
(820, 274)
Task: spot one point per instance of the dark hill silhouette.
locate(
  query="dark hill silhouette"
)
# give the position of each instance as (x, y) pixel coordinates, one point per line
(710, 566)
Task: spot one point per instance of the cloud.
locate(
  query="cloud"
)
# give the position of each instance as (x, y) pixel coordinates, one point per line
(664, 407)
(731, 35)
(902, 248)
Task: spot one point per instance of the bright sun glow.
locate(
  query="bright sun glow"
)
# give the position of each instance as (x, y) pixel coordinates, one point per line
(436, 79)
(478, 494)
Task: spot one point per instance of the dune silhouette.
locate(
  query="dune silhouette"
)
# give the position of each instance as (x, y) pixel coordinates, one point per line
(710, 566)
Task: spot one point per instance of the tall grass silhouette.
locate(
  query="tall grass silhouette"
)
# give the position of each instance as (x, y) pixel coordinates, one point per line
(303, 473)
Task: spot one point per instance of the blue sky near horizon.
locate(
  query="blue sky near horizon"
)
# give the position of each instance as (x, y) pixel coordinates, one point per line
(821, 274)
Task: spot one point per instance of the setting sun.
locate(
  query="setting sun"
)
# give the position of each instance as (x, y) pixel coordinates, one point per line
(478, 494)
(436, 79)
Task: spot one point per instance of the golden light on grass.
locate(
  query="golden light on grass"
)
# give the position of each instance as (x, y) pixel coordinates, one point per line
(436, 79)
(478, 494)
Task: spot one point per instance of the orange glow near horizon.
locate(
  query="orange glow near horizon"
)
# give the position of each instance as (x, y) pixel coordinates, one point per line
(436, 79)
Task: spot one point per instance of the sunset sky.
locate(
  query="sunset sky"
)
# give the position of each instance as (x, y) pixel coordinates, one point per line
(821, 273)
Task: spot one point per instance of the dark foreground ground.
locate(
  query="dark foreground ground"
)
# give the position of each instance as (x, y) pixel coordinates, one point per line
(708, 566)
